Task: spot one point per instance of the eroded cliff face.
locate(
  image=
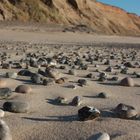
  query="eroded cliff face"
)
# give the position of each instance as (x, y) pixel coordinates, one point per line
(103, 19)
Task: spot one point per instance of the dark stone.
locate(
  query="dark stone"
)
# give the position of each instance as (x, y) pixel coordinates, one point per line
(82, 82)
(88, 113)
(24, 73)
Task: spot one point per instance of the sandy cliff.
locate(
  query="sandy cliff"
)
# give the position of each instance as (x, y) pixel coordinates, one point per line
(103, 19)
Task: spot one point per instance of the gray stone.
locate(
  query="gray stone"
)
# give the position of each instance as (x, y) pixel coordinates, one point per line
(5, 133)
(100, 136)
(16, 106)
(5, 93)
(12, 75)
(125, 111)
(36, 78)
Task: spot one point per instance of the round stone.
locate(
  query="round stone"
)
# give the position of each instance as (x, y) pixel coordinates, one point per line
(48, 82)
(52, 73)
(23, 89)
(25, 73)
(5, 93)
(16, 106)
(125, 111)
(2, 83)
(127, 82)
(72, 72)
(102, 95)
(12, 75)
(5, 133)
(101, 136)
(1, 113)
(82, 82)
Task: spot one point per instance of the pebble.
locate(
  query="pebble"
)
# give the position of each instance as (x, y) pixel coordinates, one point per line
(25, 73)
(100, 136)
(125, 111)
(82, 82)
(16, 106)
(102, 95)
(12, 75)
(36, 78)
(5, 133)
(3, 83)
(60, 100)
(127, 82)
(23, 89)
(1, 113)
(60, 81)
(5, 93)
(88, 113)
(76, 101)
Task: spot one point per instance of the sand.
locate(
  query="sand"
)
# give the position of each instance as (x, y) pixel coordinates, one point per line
(47, 121)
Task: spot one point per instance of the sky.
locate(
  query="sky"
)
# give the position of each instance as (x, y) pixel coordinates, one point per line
(131, 6)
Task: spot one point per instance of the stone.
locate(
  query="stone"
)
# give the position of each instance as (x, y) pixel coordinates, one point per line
(125, 111)
(60, 100)
(60, 81)
(83, 67)
(76, 101)
(5, 133)
(24, 73)
(5, 93)
(52, 73)
(109, 69)
(36, 78)
(12, 75)
(82, 82)
(3, 83)
(102, 95)
(47, 82)
(90, 75)
(62, 67)
(107, 62)
(124, 70)
(103, 74)
(1, 113)
(23, 89)
(127, 82)
(6, 66)
(88, 113)
(129, 64)
(102, 77)
(115, 78)
(72, 72)
(72, 86)
(16, 106)
(100, 136)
